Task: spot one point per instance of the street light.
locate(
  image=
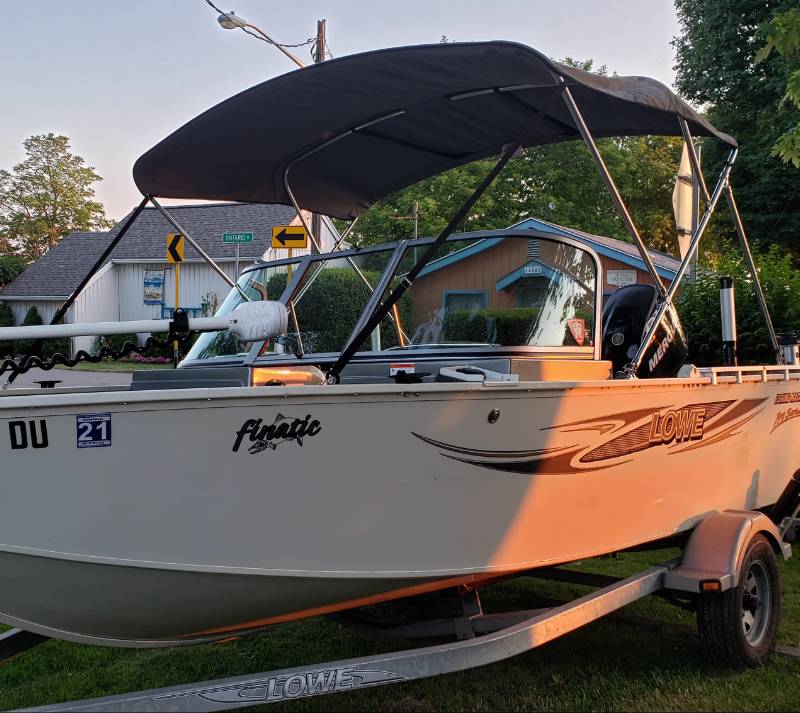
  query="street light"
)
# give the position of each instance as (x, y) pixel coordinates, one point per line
(230, 21)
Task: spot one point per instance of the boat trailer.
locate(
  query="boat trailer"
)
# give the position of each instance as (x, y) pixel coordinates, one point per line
(716, 564)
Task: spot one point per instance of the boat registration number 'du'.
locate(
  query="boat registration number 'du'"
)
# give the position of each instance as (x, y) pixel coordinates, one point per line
(93, 430)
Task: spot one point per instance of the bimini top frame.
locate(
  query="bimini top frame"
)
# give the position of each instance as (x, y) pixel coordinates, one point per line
(396, 116)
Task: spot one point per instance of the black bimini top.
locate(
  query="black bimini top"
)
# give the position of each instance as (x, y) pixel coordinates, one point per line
(356, 129)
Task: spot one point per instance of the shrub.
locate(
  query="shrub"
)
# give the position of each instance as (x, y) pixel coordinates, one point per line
(329, 310)
(507, 327)
(60, 345)
(44, 348)
(116, 342)
(700, 314)
(6, 320)
(29, 346)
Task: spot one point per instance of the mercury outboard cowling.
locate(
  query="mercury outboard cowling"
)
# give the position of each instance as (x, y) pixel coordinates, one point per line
(626, 315)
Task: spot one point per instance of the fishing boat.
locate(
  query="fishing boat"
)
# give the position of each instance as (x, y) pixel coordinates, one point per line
(472, 410)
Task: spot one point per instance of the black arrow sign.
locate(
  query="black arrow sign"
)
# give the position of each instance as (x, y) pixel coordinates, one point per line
(283, 236)
(173, 248)
(291, 237)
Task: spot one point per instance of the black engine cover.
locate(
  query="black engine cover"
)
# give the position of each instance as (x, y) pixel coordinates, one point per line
(626, 316)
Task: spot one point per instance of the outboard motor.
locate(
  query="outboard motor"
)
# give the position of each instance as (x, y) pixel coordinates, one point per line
(626, 315)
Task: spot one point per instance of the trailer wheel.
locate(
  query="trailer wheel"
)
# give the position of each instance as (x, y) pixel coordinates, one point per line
(738, 627)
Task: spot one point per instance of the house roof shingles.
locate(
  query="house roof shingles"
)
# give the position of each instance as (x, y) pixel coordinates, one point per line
(60, 271)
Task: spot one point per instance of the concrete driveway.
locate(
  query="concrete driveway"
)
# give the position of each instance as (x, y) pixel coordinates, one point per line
(68, 377)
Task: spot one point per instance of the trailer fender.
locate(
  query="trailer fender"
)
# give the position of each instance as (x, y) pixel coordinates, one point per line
(712, 557)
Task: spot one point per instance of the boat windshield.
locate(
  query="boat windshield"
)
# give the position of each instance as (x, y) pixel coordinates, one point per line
(501, 292)
(327, 302)
(267, 283)
(505, 291)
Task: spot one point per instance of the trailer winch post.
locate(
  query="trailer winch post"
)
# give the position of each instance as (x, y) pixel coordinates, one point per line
(727, 305)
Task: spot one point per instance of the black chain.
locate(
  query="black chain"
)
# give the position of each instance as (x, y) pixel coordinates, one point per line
(33, 361)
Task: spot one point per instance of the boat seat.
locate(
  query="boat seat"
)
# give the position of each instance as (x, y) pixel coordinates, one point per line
(561, 369)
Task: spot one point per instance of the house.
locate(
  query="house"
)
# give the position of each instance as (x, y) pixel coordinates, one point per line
(508, 274)
(622, 264)
(136, 282)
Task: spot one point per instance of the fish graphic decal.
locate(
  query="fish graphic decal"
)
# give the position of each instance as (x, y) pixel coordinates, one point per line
(283, 429)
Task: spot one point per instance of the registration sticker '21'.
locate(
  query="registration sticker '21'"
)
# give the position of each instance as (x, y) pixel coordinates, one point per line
(93, 430)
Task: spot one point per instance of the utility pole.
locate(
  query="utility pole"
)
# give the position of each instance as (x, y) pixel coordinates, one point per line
(319, 56)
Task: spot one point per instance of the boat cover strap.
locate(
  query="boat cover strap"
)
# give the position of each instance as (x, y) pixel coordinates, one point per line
(356, 129)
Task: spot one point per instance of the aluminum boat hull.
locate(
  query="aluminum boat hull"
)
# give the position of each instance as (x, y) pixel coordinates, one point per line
(198, 514)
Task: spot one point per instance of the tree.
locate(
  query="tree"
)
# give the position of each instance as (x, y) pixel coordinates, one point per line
(558, 183)
(47, 196)
(11, 267)
(32, 318)
(781, 283)
(716, 55)
(782, 34)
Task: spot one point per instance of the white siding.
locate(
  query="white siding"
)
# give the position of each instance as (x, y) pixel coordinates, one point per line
(197, 280)
(46, 308)
(96, 303)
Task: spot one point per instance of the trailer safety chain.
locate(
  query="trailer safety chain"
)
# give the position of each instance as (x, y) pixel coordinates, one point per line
(33, 361)
(179, 332)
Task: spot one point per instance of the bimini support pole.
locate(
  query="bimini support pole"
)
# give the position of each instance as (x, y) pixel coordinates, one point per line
(751, 266)
(59, 315)
(631, 368)
(189, 239)
(612, 188)
(694, 159)
(508, 152)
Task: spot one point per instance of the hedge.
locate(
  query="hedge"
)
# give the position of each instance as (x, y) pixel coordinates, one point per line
(331, 307)
(507, 327)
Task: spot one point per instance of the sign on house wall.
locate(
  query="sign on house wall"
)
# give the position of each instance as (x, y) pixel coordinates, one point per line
(621, 278)
(154, 286)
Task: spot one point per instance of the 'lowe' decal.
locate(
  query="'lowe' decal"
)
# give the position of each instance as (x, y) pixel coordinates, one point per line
(619, 436)
(290, 686)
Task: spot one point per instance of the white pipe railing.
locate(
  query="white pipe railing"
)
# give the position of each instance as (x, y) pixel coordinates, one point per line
(88, 329)
(250, 321)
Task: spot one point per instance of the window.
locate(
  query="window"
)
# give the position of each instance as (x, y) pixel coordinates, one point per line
(502, 291)
(468, 300)
(263, 284)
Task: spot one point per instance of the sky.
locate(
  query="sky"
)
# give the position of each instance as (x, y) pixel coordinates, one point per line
(117, 76)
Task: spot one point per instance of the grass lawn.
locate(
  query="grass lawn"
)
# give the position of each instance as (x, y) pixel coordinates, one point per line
(609, 665)
(125, 367)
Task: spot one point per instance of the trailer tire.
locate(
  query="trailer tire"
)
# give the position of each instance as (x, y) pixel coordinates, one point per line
(739, 627)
